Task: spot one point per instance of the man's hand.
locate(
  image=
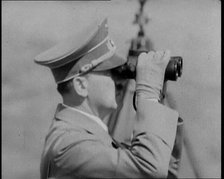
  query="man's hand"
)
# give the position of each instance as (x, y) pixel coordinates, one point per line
(150, 73)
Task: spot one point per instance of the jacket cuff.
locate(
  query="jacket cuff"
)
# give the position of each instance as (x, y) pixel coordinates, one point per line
(177, 149)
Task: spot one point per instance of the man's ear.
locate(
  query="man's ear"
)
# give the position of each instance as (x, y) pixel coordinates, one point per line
(80, 84)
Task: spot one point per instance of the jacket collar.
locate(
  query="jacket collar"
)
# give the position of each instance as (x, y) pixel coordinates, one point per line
(90, 116)
(77, 119)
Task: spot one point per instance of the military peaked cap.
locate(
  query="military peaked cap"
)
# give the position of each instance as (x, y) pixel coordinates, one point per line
(91, 50)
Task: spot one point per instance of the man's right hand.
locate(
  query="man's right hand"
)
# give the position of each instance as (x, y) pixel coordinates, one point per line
(150, 73)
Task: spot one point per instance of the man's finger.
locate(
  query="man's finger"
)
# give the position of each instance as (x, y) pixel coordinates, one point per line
(166, 56)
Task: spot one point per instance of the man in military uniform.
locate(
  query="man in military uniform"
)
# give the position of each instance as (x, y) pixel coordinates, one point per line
(78, 143)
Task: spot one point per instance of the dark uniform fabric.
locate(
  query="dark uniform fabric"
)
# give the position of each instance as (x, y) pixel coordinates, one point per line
(76, 146)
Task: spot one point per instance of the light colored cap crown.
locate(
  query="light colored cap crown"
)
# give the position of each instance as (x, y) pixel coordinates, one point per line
(92, 50)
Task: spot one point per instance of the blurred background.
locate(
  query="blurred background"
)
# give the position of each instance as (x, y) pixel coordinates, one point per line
(189, 28)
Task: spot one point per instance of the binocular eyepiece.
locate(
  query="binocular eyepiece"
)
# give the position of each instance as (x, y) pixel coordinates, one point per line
(128, 70)
(174, 68)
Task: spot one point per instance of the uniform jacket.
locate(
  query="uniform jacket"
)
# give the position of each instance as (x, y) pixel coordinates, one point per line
(77, 146)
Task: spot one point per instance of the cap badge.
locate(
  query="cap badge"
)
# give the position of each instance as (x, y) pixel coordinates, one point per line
(86, 68)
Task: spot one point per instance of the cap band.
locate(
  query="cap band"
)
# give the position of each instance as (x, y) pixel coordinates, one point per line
(105, 49)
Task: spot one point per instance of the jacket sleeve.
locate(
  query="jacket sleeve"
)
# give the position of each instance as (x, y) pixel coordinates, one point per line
(83, 154)
(177, 150)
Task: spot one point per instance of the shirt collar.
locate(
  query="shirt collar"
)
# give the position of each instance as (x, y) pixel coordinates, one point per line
(90, 116)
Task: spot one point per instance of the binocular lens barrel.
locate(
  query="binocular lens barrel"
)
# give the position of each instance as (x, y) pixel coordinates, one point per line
(173, 70)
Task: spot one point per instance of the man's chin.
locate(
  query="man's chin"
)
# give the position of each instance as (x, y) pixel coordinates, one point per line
(114, 107)
(111, 108)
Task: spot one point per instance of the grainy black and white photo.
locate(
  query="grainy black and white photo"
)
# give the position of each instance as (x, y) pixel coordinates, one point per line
(111, 89)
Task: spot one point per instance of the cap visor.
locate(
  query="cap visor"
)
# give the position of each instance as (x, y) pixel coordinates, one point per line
(111, 63)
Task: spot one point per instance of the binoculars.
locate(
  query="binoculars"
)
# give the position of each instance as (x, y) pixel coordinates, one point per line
(128, 70)
(143, 44)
